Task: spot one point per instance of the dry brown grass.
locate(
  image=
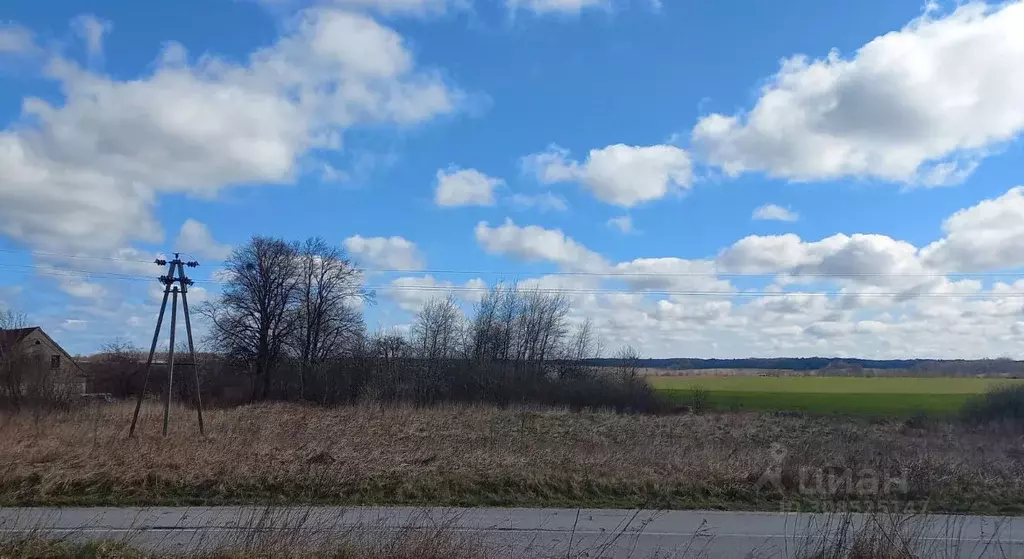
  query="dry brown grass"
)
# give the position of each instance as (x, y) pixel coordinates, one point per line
(407, 545)
(466, 455)
(899, 536)
(836, 536)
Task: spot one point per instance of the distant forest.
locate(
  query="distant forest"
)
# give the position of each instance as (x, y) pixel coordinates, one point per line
(832, 365)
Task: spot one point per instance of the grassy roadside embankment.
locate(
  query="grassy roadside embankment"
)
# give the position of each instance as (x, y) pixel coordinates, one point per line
(477, 455)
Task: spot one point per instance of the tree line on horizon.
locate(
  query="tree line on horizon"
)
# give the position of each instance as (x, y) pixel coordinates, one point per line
(836, 366)
(288, 325)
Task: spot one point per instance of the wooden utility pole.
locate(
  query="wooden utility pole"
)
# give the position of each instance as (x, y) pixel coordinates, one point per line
(175, 282)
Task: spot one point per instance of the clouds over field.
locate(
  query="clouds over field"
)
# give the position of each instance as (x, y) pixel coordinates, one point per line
(861, 294)
(676, 196)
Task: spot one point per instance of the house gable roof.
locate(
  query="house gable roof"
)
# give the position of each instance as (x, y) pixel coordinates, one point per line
(11, 338)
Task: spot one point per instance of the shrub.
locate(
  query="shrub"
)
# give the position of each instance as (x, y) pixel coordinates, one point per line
(597, 389)
(919, 420)
(1003, 404)
(699, 399)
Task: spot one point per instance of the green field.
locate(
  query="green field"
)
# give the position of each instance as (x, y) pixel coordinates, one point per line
(893, 396)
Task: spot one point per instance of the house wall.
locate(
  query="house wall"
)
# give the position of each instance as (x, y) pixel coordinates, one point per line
(38, 348)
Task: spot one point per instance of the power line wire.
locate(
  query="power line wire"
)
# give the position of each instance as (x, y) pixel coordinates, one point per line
(29, 268)
(567, 291)
(618, 274)
(78, 256)
(734, 274)
(724, 294)
(609, 273)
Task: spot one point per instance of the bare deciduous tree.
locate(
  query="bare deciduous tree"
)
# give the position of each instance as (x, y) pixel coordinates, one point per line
(120, 350)
(485, 329)
(11, 320)
(437, 336)
(12, 365)
(541, 325)
(255, 317)
(120, 361)
(512, 325)
(329, 286)
(436, 331)
(628, 363)
(390, 346)
(584, 343)
(290, 308)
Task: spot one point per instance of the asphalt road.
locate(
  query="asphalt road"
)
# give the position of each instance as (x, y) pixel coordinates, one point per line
(521, 532)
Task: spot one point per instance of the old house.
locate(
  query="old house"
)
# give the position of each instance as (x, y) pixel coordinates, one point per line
(30, 358)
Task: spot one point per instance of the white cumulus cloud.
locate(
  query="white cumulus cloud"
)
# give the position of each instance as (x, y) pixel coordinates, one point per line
(465, 187)
(411, 293)
(92, 30)
(86, 172)
(392, 253)
(194, 238)
(622, 223)
(406, 7)
(771, 212)
(618, 174)
(537, 244)
(15, 39)
(918, 105)
(986, 236)
(544, 202)
(671, 274)
(564, 7)
(868, 258)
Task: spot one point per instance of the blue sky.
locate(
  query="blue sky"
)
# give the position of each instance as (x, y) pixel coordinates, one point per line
(788, 177)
